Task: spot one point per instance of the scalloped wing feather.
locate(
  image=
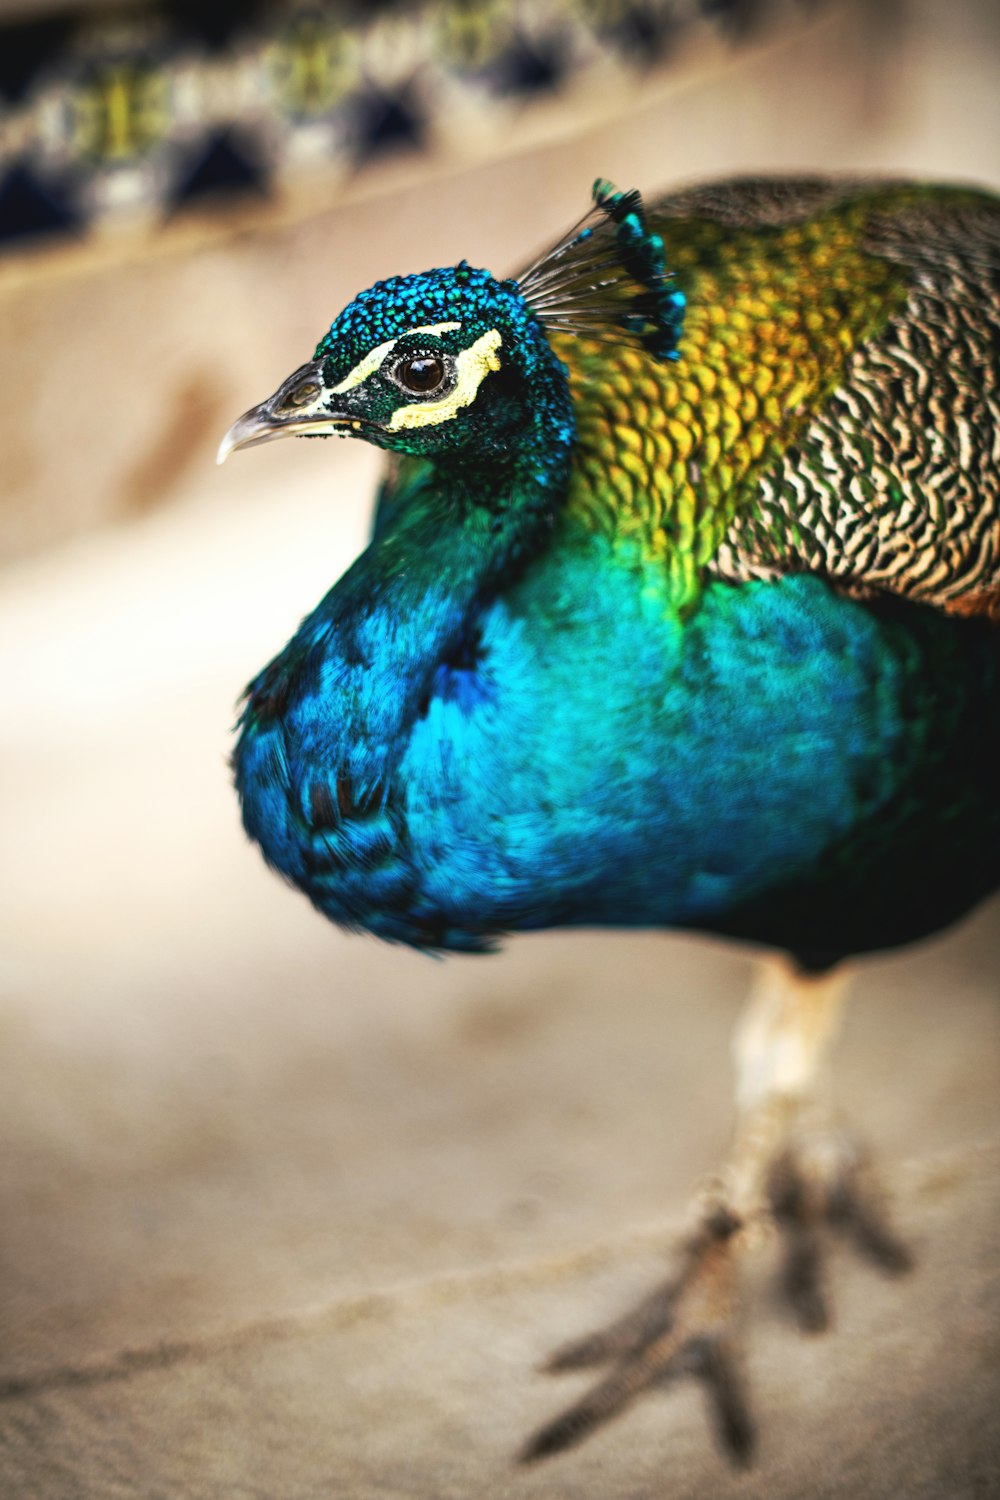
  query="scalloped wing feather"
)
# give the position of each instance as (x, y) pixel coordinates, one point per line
(836, 407)
(895, 483)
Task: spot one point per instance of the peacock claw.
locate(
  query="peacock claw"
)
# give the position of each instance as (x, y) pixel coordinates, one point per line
(682, 1328)
(687, 1326)
(830, 1184)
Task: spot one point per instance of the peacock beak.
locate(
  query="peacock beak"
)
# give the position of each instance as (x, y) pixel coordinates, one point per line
(301, 407)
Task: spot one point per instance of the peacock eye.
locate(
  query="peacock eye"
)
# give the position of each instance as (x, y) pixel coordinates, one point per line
(300, 395)
(423, 374)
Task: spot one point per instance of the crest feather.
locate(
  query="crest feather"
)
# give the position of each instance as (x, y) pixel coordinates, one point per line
(607, 277)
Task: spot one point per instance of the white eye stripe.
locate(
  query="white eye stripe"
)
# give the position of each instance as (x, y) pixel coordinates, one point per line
(433, 328)
(375, 357)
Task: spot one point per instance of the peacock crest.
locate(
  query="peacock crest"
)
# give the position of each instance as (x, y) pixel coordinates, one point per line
(607, 277)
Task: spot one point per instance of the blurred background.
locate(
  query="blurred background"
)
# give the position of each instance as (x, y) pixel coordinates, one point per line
(283, 1212)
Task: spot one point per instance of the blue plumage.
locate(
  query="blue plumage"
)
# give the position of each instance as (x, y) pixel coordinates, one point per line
(674, 780)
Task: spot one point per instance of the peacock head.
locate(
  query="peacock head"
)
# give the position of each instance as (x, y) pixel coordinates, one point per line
(457, 362)
(447, 361)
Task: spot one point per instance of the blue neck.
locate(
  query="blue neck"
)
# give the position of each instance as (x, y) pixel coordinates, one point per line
(368, 652)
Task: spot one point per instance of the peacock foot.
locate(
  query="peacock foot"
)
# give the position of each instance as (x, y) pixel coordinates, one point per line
(826, 1181)
(685, 1326)
(814, 1185)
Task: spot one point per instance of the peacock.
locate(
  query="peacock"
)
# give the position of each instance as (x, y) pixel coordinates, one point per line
(680, 610)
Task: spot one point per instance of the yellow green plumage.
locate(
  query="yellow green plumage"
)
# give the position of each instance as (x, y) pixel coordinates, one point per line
(671, 455)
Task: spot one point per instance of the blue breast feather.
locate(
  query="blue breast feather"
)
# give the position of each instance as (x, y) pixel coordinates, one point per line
(586, 757)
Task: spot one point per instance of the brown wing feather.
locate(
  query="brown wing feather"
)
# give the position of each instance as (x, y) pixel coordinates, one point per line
(895, 484)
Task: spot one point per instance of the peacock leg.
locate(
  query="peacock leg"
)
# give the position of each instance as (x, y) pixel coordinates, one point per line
(788, 1167)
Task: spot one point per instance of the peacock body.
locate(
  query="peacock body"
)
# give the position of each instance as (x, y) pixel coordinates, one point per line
(678, 605)
(681, 609)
